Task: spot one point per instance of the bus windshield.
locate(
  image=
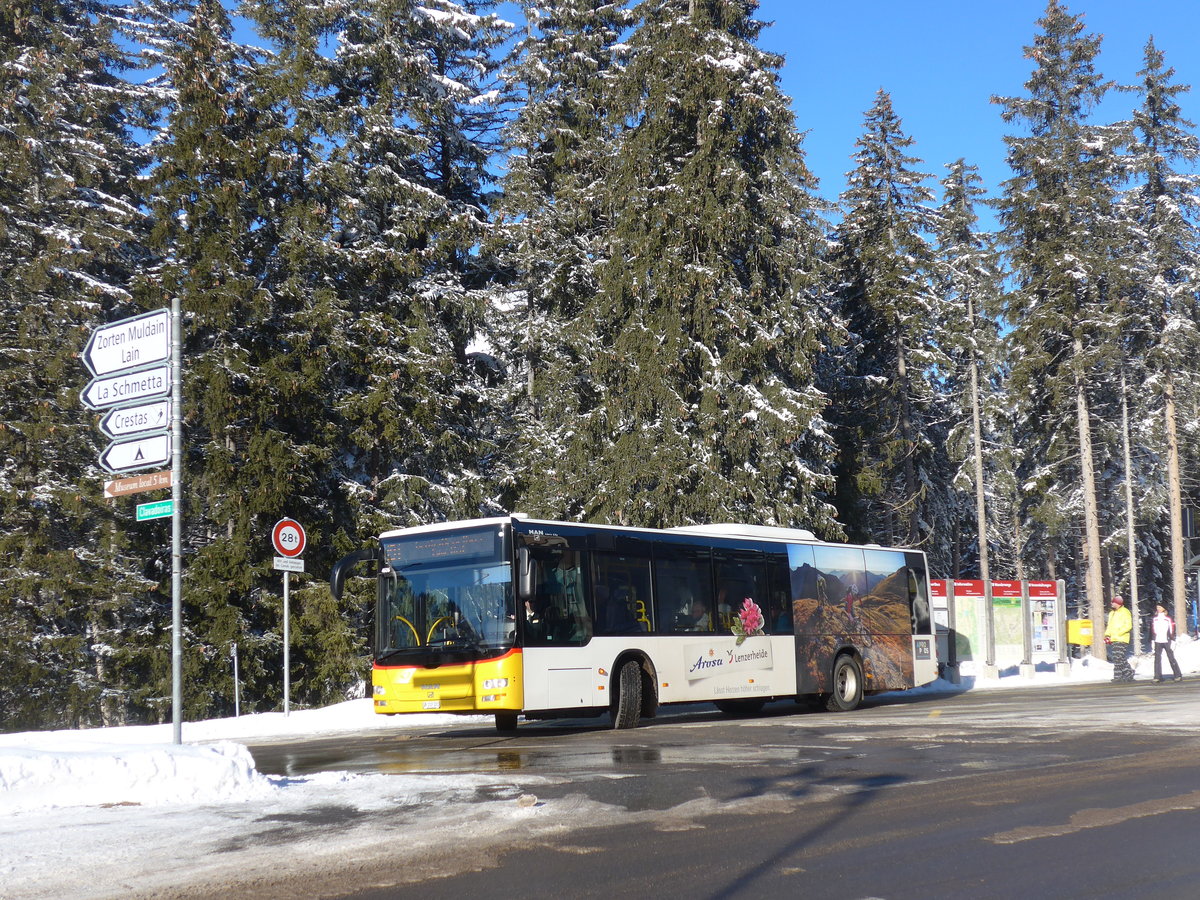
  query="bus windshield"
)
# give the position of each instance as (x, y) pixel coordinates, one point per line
(446, 590)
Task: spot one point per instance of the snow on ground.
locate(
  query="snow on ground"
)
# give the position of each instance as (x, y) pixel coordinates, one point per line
(96, 812)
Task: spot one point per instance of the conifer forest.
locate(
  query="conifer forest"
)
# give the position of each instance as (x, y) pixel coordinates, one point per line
(437, 265)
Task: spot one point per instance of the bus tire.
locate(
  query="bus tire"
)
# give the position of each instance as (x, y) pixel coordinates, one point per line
(649, 696)
(740, 707)
(847, 685)
(627, 710)
(506, 721)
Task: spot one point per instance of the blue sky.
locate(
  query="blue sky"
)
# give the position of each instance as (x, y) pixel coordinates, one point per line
(942, 61)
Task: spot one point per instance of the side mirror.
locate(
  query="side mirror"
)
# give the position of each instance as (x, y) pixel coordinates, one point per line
(524, 573)
(341, 569)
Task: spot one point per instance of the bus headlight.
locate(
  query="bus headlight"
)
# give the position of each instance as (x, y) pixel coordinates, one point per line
(379, 689)
(492, 684)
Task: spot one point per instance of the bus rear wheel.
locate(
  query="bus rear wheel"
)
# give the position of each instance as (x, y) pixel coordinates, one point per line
(627, 710)
(847, 685)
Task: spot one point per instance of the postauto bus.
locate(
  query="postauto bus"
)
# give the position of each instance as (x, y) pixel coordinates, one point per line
(513, 616)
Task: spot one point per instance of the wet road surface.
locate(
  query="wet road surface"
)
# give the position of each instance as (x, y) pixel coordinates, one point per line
(983, 794)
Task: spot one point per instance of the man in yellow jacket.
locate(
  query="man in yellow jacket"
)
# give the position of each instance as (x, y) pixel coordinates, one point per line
(1116, 635)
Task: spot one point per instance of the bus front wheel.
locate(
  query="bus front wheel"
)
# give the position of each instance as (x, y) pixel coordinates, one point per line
(627, 710)
(506, 721)
(847, 685)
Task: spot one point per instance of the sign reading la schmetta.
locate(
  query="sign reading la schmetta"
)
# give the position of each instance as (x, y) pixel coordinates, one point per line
(128, 387)
(129, 344)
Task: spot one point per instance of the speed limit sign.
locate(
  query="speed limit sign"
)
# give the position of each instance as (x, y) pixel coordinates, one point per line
(288, 538)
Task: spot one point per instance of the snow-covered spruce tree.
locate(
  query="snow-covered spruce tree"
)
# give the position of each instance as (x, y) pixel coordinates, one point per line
(971, 280)
(706, 408)
(883, 402)
(1062, 231)
(256, 435)
(303, 274)
(75, 605)
(412, 117)
(552, 233)
(1160, 319)
(705, 401)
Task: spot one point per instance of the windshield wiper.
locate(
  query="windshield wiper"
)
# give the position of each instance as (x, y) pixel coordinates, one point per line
(391, 654)
(456, 639)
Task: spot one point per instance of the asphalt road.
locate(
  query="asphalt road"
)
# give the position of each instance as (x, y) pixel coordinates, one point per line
(1084, 790)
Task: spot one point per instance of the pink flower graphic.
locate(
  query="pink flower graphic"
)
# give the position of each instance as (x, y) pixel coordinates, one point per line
(750, 621)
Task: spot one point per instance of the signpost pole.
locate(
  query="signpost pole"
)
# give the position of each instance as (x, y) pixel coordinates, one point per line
(1027, 670)
(237, 688)
(1063, 666)
(176, 520)
(287, 646)
(288, 539)
(951, 635)
(989, 669)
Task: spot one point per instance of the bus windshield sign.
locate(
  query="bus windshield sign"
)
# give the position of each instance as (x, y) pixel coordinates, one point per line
(456, 546)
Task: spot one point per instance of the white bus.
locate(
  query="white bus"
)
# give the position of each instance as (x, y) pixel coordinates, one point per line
(514, 616)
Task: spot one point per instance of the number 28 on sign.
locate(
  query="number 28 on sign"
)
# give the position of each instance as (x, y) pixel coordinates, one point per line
(288, 538)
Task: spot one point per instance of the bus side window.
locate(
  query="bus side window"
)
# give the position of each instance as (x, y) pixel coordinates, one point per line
(557, 612)
(621, 583)
(779, 619)
(683, 587)
(740, 576)
(922, 621)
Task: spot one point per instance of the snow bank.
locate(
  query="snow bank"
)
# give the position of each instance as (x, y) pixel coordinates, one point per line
(140, 766)
(36, 777)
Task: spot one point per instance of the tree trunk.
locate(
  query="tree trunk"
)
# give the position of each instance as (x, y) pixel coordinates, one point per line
(1134, 608)
(1091, 516)
(1174, 492)
(911, 487)
(980, 504)
(1018, 537)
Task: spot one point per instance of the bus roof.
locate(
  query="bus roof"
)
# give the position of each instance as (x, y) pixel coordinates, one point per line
(716, 529)
(733, 529)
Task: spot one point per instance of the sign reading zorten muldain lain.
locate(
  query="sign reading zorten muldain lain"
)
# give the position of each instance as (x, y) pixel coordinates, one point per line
(129, 344)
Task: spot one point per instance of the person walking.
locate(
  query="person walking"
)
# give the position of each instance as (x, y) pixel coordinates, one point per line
(1116, 635)
(1163, 628)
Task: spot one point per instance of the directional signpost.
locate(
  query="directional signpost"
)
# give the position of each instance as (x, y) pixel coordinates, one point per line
(288, 539)
(129, 344)
(128, 387)
(137, 484)
(123, 421)
(138, 453)
(156, 510)
(135, 364)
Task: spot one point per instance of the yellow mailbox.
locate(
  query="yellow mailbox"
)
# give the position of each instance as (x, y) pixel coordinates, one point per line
(1079, 631)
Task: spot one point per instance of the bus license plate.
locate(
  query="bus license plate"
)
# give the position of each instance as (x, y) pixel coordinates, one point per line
(432, 704)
